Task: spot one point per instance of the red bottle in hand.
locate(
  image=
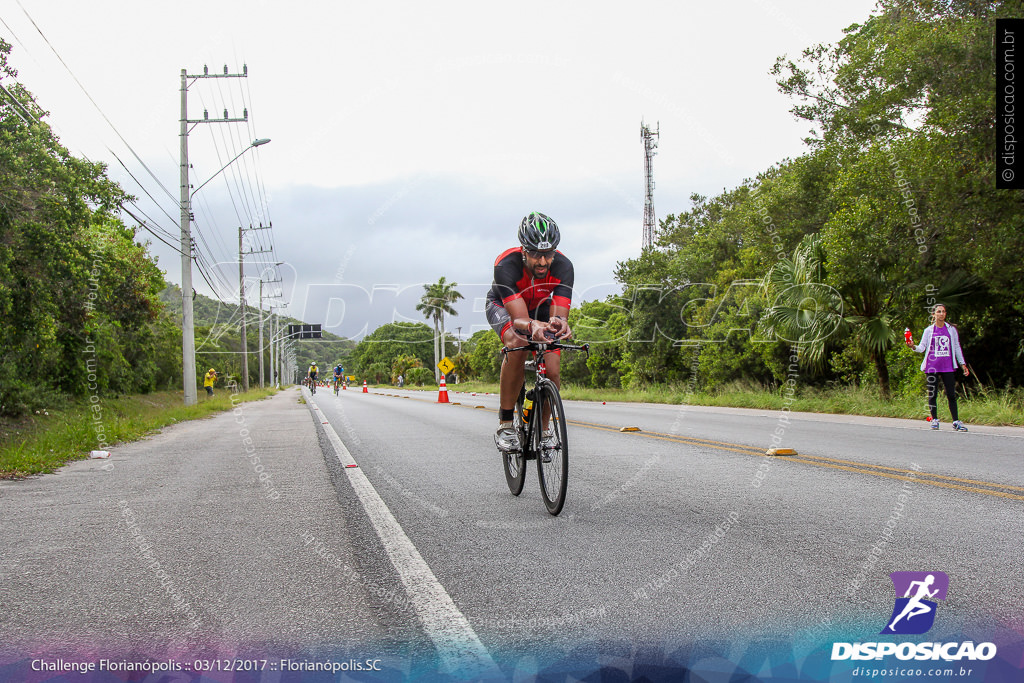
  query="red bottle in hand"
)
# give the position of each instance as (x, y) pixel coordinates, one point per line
(908, 336)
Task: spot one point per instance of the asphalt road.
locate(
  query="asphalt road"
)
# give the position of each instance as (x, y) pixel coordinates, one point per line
(686, 531)
(380, 525)
(179, 546)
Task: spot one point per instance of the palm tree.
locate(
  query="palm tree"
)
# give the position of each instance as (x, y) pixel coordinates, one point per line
(813, 315)
(436, 301)
(805, 312)
(873, 310)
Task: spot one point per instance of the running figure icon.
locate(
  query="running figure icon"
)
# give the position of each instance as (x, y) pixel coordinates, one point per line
(915, 606)
(915, 589)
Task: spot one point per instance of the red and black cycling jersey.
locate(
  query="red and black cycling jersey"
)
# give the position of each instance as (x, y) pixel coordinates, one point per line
(513, 281)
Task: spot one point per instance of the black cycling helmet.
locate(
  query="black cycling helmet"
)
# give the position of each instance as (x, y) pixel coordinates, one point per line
(537, 232)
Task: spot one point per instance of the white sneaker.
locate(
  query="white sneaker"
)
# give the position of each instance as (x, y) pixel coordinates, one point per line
(959, 426)
(548, 443)
(506, 438)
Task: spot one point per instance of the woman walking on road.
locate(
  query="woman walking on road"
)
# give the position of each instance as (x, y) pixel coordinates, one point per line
(941, 345)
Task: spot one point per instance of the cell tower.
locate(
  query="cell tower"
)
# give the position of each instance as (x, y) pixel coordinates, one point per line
(650, 144)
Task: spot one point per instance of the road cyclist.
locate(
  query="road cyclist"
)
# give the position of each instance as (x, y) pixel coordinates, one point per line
(312, 375)
(527, 306)
(528, 300)
(338, 374)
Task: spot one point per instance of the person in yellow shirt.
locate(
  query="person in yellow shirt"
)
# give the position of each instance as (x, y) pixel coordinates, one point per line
(208, 381)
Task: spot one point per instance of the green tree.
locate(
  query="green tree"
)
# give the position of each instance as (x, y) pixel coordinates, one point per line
(389, 342)
(421, 377)
(436, 301)
(817, 316)
(906, 101)
(402, 365)
(463, 369)
(485, 359)
(79, 312)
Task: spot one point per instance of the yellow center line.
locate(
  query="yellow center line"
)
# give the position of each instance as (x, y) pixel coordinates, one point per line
(686, 439)
(918, 474)
(915, 474)
(938, 480)
(746, 450)
(916, 479)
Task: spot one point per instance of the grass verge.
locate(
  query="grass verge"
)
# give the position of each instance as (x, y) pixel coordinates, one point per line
(52, 438)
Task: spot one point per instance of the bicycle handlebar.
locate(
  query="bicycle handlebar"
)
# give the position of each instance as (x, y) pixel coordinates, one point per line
(548, 346)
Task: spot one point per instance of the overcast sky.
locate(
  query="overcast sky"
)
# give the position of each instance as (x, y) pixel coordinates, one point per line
(410, 138)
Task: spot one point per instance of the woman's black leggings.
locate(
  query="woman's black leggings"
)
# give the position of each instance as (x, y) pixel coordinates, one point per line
(949, 382)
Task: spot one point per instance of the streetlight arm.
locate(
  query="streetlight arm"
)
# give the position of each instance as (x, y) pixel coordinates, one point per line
(255, 143)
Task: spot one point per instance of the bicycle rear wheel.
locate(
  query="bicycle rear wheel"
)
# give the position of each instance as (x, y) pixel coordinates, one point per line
(553, 474)
(515, 463)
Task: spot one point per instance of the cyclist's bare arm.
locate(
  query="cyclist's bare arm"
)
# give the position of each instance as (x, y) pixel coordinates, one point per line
(522, 323)
(525, 326)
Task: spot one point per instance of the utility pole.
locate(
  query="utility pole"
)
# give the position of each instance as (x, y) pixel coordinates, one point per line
(188, 338)
(650, 144)
(241, 299)
(262, 281)
(260, 345)
(279, 340)
(273, 346)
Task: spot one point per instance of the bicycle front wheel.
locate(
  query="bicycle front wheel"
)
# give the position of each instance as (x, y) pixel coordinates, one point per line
(553, 458)
(515, 462)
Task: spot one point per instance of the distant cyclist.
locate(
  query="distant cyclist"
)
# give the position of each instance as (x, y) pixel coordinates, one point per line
(529, 299)
(313, 373)
(338, 370)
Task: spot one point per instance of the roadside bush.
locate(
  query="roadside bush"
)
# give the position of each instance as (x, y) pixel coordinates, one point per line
(420, 376)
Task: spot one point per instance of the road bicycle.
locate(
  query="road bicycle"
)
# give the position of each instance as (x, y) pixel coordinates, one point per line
(536, 407)
(337, 383)
(312, 385)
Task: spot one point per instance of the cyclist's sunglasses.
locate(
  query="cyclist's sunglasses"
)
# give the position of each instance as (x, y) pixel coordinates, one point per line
(550, 253)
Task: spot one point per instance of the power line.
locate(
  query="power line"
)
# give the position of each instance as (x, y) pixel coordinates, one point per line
(141, 186)
(198, 257)
(262, 189)
(20, 106)
(151, 229)
(155, 226)
(105, 118)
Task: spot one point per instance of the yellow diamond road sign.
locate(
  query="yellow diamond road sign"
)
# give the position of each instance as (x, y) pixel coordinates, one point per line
(446, 365)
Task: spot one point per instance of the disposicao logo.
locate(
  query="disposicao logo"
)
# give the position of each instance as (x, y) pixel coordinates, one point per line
(913, 614)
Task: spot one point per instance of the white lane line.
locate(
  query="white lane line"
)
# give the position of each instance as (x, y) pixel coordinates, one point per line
(457, 644)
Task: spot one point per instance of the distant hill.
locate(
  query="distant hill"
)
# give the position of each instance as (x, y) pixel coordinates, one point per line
(211, 313)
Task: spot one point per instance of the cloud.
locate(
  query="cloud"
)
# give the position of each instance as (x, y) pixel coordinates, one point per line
(361, 255)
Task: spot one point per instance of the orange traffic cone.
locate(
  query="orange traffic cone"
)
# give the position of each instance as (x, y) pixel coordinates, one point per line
(344, 386)
(364, 387)
(442, 392)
